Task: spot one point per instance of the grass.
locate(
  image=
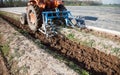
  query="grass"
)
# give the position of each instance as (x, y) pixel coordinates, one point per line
(71, 36)
(116, 50)
(22, 31)
(14, 16)
(4, 47)
(84, 72)
(90, 43)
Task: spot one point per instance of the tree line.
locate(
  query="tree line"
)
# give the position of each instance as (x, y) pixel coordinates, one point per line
(13, 3)
(82, 3)
(18, 3)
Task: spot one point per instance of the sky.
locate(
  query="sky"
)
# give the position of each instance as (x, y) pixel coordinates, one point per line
(111, 1)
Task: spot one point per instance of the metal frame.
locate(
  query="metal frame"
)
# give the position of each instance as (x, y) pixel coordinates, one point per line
(48, 16)
(56, 14)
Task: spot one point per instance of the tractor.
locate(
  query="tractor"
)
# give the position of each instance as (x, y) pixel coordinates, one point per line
(43, 15)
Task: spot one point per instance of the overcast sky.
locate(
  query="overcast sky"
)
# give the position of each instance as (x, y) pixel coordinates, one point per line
(111, 1)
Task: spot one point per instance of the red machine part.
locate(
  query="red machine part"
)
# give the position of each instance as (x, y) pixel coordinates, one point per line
(52, 4)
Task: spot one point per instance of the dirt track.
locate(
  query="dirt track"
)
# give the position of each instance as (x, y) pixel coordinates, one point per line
(96, 62)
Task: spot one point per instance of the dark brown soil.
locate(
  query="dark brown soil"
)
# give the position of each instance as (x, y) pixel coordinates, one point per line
(96, 62)
(3, 68)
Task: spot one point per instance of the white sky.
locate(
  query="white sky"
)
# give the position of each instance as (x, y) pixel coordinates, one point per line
(111, 1)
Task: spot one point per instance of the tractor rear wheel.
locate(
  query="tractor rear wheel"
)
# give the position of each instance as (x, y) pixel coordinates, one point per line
(34, 17)
(62, 8)
(62, 20)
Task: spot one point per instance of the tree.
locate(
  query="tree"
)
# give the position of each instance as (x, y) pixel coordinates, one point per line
(1, 3)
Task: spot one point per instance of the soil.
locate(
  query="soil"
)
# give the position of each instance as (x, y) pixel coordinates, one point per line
(27, 56)
(91, 59)
(106, 45)
(3, 68)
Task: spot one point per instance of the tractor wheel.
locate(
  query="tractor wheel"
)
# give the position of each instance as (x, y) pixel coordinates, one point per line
(23, 18)
(62, 8)
(34, 17)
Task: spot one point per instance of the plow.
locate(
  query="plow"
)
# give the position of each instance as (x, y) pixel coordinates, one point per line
(45, 15)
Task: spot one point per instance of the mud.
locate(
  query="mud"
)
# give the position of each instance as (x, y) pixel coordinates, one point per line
(96, 62)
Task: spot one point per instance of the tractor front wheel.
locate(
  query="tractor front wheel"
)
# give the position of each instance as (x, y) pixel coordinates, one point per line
(23, 18)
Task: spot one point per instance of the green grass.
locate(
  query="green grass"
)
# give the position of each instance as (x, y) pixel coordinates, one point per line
(4, 47)
(89, 43)
(71, 36)
(116, 50)
(84, 72)
(12, 15)
(24, 32)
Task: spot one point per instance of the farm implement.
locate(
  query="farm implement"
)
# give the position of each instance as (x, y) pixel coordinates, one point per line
(46, 15)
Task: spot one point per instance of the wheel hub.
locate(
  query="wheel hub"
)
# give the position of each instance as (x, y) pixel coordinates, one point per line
(32, 17)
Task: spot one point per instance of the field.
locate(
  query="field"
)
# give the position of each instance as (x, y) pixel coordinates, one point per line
(98, 16)
(95, 51)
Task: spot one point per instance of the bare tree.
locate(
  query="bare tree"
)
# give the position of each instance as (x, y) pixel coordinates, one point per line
(1, 3)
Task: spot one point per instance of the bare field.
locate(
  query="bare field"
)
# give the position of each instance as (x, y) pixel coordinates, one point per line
(98, 16)
(77, 52)
(102, 18)
(26, 55)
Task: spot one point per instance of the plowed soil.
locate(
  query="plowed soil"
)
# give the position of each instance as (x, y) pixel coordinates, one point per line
(96, 62)
(3, 65)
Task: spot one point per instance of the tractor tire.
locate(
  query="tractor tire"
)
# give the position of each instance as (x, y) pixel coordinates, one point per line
(34, 17)
(23, 18)
(62, 8)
